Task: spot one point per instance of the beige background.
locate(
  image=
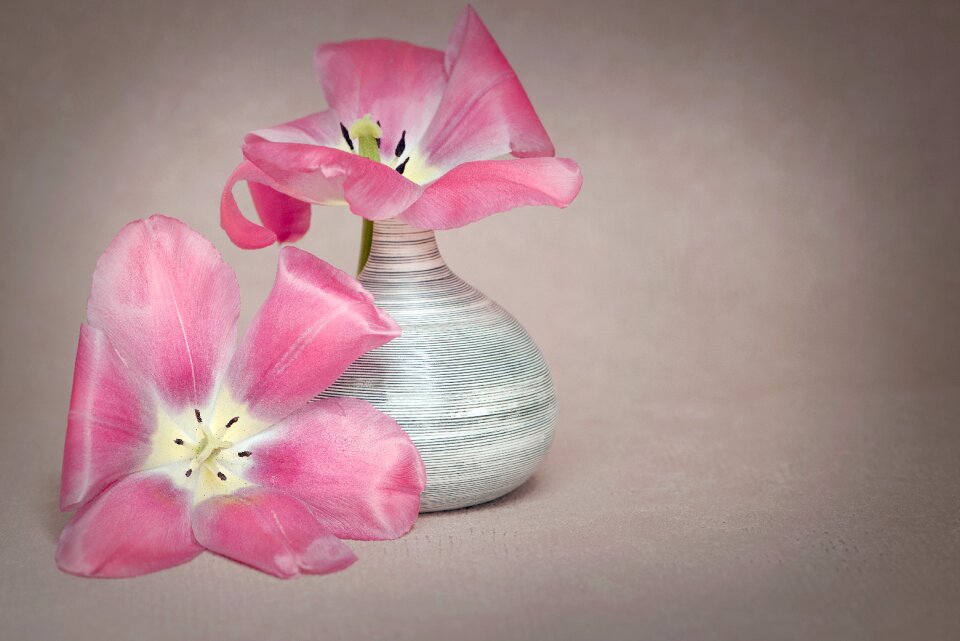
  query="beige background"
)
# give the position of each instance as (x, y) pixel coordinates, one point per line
(751, 313)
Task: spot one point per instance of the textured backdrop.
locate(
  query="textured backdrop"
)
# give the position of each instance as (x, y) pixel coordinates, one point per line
(751, 313)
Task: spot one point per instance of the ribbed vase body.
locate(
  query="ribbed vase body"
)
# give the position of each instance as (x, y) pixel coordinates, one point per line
(465, 380)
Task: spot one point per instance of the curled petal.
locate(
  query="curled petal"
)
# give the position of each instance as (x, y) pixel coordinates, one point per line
(475, 190)
(321, 174)
(138, 525)
(270, 531)
(315, 322)
(351, 463)
(285, 219)
(168, 303)
(109, 424)
(321, 128)
(485, 111)
(397, 83)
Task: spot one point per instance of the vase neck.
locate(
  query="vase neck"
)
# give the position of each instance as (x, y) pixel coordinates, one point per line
(399, 248)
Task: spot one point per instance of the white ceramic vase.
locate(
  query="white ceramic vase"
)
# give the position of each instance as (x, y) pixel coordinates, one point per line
(465, 380)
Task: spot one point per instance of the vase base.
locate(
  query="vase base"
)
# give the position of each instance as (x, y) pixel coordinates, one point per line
(462, 502)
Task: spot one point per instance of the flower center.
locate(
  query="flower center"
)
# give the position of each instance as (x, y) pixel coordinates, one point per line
(368, 133)
(209, 447)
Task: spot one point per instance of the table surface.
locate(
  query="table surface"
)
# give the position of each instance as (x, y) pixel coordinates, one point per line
(756, 349)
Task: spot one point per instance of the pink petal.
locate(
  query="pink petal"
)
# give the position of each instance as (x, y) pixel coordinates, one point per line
(140, 524)
(319, 174)
(168, 303)
(321, 128)
(475, 190)
(484, 112)
(270, 531)
(351, 463)
(109, 424)
(315, 322)
(397, 83)
(285, 219)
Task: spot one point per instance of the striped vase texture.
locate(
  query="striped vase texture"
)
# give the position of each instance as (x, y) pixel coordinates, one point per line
(465, 380)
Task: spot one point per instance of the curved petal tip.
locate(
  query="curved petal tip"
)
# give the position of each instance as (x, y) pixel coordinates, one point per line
(284, 218)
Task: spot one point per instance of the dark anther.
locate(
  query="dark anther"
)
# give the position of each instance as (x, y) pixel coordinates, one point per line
(401, 145)
(378, 142)
(178, 441)
(402, 165)
(233, 420)
(244, 453)
(189, 472)
(346, 136)
(222, 476)
(197, 414)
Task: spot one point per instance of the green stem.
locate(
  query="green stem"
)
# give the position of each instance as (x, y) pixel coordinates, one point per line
(366, 132)
(366, 240)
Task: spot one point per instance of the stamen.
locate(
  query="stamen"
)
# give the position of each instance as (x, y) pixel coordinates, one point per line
(346, 136)
(222, 476)
(233, 420)
(189, 472)
(197, 413)
(244, 453)
(401, 145)
(402, 166)
(178, 441)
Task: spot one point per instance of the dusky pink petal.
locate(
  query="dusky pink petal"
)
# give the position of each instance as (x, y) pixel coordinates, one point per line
(321, 128)
(109, 424)
(474, 190)
(351, 463)
(270, 531)
(315, 322)
(285, 218)
(397, 83)
(484, 112)
(138, 525)
(169, 304)
(321, 174)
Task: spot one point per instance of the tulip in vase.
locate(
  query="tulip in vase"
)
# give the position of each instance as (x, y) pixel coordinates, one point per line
(416, 140)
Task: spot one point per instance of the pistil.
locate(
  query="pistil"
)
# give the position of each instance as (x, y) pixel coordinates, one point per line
(210, 446)
(368, 135)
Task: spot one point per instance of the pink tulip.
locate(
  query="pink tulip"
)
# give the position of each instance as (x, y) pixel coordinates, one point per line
(179, 440)
(444, 119)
